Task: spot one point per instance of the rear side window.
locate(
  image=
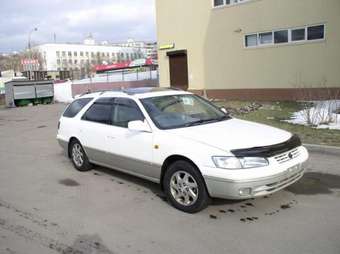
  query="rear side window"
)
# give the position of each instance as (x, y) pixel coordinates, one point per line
(99, 113)
(74, 108)
(126, 110)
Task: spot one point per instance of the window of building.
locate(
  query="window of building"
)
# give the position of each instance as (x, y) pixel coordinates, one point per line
(58, 53)
(70, 61)
(64, 53)
(99, 113)
(292, 35)
(92, 54)
(298, 34)
(75, 53)
(58, 61)
(218, 3)
(75, 61)
(81, 53)
(69, 53)
(251, 40)
(87, 54)
(281, 36)
(266, 38)
(103, 54)
(316, 32)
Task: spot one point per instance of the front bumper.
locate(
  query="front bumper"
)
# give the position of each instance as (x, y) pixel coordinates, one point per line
(222, 188)
(238, 185)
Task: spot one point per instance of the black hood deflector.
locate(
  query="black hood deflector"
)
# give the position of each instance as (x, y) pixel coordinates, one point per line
(269, 151)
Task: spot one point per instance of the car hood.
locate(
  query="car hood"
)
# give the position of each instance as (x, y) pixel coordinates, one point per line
(234, 134)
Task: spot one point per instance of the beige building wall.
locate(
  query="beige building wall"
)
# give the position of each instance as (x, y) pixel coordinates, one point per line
(218, 59)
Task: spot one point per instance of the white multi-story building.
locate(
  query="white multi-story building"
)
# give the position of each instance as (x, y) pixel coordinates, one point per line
(149, 49)
(81, 57)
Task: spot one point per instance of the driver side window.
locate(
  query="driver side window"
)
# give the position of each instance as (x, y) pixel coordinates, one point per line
(124, 111)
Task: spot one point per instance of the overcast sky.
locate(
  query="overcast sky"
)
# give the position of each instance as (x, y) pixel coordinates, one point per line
(72, 20)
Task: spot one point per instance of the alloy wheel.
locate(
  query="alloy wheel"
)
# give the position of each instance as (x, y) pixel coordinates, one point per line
(184, 188)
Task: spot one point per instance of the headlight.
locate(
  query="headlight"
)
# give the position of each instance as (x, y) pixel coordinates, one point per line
(239, 163)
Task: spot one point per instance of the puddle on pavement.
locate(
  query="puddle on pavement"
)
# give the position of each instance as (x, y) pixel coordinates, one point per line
(312, 183)
(251, 214)
(315, 183)
(69, 182)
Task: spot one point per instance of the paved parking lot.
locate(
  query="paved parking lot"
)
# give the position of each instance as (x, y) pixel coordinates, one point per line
(48, 207)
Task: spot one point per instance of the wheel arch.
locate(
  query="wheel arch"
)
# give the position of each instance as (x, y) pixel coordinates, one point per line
(171, 159)
(69, 145)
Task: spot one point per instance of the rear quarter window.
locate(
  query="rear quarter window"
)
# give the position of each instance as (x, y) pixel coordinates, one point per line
(74, 108)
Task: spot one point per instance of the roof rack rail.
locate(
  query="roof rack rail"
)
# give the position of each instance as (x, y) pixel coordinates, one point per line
(102, 91)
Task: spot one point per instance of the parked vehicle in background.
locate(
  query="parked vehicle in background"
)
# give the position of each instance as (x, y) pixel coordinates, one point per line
(182, 141)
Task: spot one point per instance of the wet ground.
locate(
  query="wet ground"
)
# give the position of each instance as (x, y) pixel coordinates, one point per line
(48, 207)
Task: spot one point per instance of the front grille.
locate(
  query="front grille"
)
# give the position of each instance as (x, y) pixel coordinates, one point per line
(282, 158)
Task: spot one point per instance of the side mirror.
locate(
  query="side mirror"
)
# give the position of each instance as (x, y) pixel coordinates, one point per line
(139, 126)
(224, 110)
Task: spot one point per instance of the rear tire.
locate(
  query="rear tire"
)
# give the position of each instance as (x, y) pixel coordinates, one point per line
(185, 188)
(78, 156)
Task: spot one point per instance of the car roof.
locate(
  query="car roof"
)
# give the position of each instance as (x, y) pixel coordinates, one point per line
(140, 92)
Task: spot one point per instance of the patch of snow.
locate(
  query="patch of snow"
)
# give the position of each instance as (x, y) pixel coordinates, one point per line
(63, 92)
(320, 116)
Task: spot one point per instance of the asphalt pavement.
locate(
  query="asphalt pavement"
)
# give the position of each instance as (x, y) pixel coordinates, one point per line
(46, 206)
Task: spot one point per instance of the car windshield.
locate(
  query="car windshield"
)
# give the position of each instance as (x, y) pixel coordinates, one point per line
(185, 110)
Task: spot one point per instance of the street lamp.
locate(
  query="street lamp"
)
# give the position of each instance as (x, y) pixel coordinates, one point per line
(29, 50)
(29, 37)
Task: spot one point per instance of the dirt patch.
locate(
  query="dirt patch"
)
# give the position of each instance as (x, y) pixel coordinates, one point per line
(314, 183)
(69, 182)
(88, 244)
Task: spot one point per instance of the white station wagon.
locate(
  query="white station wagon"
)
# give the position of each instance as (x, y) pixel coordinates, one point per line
(191, 147)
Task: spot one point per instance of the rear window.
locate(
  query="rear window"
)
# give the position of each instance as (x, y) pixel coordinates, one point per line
(74, 108)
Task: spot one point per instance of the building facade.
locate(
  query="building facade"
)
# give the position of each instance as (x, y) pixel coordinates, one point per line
(148, 48)
(82, 57)
(258, 49)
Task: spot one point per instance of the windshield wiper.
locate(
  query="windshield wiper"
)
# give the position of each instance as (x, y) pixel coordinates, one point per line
(201, 121)
(210, 120)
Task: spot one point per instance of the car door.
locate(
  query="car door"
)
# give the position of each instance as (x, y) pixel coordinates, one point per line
(131, 151)
(96, 131)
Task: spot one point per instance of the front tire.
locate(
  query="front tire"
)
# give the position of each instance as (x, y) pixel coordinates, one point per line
(185, 187)
(79, 158)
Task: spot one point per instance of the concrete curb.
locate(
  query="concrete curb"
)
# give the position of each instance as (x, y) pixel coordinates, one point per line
(331, 150)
